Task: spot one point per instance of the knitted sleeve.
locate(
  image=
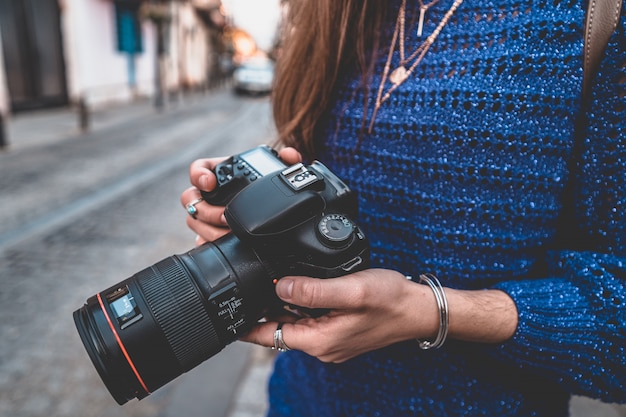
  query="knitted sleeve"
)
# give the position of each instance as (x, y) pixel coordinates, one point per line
(572, 323)
(572, 328)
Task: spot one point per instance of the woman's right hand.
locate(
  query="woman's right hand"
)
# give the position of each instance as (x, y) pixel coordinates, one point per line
(209, 222)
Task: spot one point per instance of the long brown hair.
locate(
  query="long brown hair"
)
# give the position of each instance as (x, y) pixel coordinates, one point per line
(320, 38)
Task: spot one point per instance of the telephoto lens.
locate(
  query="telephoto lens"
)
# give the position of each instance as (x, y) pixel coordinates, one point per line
(166, 319)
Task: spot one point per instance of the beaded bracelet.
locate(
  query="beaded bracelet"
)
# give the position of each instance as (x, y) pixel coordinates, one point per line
(442, 304)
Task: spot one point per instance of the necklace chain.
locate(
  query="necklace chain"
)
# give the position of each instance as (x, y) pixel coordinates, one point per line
(401, 73)
(423, 9)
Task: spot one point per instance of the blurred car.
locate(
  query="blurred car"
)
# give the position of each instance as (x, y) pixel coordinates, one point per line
(254, 76)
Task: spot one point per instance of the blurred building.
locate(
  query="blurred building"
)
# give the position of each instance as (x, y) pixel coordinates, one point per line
(65, 52)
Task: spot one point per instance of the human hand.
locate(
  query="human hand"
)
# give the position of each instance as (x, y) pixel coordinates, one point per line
(209, 222)
(375, 308)
(369, 310)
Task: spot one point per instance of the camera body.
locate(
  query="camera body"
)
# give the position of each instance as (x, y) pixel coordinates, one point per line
(168, 318)
(303, 225)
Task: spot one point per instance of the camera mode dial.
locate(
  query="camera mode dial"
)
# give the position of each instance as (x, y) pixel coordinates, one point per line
(336, 230)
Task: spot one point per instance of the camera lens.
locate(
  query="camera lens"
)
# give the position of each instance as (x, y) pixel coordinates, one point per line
(165, 320)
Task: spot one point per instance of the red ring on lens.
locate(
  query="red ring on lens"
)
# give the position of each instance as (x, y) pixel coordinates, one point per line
(121, 345)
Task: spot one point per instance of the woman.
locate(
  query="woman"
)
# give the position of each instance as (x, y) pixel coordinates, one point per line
(460, 125)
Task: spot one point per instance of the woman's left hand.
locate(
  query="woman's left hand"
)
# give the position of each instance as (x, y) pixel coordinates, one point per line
(375, 308)
(369, 309)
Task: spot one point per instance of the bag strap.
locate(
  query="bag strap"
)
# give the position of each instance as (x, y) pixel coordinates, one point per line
(600, 23)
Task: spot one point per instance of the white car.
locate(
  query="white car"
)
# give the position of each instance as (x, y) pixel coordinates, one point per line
(254, 76)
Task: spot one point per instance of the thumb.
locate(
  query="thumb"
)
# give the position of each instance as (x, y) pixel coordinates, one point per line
(284, 288)
(290, 156)
(334, 293)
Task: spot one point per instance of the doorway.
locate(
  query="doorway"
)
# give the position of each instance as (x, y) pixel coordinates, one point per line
(33, 53)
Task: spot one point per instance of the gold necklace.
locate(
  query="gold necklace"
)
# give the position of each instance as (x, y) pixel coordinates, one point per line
(401, 73)
(423, 9)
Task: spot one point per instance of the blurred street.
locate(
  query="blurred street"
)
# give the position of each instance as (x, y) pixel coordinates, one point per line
(83, 211)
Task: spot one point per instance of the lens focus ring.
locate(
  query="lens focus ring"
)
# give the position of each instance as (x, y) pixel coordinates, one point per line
(178, 309)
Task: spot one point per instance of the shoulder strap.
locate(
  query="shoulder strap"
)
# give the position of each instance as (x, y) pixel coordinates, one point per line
(602, 19)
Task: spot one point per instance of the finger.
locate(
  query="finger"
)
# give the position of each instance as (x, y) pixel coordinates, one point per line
(201, 173)
(263, 334)
(211, 215)
(189, 195)
(200, 240)
(336, 293)
(290, 156)
(205, 212)
(204, 231)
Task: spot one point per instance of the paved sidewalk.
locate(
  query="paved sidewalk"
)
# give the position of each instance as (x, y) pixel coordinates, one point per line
(47, 126)
(251, 397)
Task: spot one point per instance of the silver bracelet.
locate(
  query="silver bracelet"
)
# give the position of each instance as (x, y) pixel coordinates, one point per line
(442, 304)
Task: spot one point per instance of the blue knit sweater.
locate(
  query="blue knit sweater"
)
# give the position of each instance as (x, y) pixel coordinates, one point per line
(474, 172)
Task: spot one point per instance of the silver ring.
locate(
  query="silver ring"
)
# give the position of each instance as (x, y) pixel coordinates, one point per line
(191, 207)
(279, 343)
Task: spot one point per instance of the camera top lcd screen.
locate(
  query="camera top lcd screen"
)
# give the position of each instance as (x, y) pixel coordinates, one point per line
(262, 161)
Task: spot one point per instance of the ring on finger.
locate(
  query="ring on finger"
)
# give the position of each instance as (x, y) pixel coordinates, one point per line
(279, 343)
(191, 208)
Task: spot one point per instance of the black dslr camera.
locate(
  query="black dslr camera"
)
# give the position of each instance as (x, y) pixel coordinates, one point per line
(165, 320)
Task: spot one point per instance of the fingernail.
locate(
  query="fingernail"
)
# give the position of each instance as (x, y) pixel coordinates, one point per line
(223, 219)
(284, 288)
(204, 182)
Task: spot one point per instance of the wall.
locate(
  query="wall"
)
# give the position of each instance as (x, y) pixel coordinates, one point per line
(189, 50)
(99, 74)
(96, 71)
